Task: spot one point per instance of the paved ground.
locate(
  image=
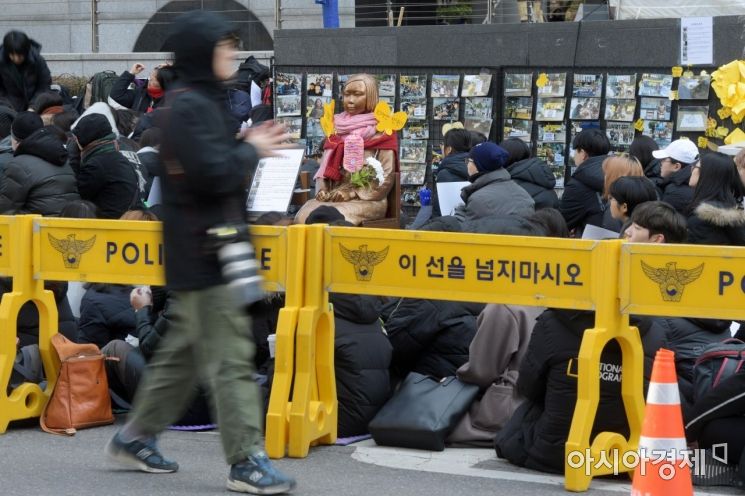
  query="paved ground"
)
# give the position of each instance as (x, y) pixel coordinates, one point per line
(39, 464)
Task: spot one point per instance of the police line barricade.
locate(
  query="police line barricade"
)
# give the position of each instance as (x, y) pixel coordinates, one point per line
(35, 249)
(574, 274)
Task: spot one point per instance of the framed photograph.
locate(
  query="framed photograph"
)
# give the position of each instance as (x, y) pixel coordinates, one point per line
(518, 108)
(551, 109)
(620, 133)
(416, 131)
(386, 84)
(579, 126)
(294, 125)
(476, 85)
(588, 85)
(516, 128)
(415, 108)
(413, 174)
(620, 110)
(413, 151)
(692, 118)
(314, 106)
(518, 84)
(445, 109)
(660, 131)
(288, 83)
(482, 126)
(445, 86)
(585, 109)
(655, 109)
(479, 107)
(657, 85)
(413, 86)
(620, 86)
(554, 155)
(319, 85)
(694, 87)
(557, 84)
(288, 105)
(314, 147)
(313, 128)
(552, 133)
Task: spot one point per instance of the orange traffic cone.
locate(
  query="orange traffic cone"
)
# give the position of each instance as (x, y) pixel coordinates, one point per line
(663, 469)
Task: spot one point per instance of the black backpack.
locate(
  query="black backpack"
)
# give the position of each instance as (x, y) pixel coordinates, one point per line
(99, 87)
(717, 362)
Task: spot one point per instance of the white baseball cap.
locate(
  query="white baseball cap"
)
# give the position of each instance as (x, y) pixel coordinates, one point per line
(680, 150)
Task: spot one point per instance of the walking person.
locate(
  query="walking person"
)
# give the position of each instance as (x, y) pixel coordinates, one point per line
(209, 342)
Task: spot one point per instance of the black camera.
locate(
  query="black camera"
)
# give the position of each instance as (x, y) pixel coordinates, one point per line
(235, 253)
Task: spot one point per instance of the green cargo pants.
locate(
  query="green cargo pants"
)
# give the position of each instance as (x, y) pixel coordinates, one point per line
(209, 340)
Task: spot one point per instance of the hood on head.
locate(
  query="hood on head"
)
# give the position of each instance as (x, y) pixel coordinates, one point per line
(44, 144)
(192, 40)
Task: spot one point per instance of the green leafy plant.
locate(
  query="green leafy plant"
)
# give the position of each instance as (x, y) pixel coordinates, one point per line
(363, 178)
(457, 9)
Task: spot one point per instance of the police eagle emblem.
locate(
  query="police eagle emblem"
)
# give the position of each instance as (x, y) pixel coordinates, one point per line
(71, 249)
(671, 279)
(364, 261)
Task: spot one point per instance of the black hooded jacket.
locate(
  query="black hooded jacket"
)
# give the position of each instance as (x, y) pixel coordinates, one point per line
(674, 189)
(136, 98)
(534, 176)
(715, 224)
(206, 167)
(20, 84)
(453, 168)
(362, 357)
(582, 201)
(429, 337)
(38, 179)
(535, 435)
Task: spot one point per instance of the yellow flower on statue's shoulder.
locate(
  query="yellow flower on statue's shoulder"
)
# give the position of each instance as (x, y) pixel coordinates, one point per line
(327, 120)
(388, 121)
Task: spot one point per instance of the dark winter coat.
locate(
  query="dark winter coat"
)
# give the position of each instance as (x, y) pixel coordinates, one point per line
(207, 168)
(362, 357)
(714, 224)
(535, 435)
(610, 223)
(150, 160)
(20, 84)
(452, 169)
(264, 317)
(582, 201)
(6, 151)
(37, 180)
(727, 400)
(494, 194)
(688, 338)
(674, 189)
(28, 316)
(106, 314)
(429, 337)
(135, 98)
(109, 180)
(152, 322)
(534, 176)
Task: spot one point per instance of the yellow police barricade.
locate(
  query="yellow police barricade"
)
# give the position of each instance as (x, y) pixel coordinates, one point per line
(575, 274)
(91, 250)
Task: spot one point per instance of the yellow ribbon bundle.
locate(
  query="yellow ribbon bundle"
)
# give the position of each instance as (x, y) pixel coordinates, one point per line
(729, 84)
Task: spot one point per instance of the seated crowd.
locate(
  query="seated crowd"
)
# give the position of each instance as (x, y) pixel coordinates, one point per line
(102, 164)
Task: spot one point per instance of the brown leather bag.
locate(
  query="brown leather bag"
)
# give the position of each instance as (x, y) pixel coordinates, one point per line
(81, 396)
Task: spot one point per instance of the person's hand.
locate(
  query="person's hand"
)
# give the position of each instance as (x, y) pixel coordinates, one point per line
(267, 137)
(137, 68)
(323, 196)
(140, 297)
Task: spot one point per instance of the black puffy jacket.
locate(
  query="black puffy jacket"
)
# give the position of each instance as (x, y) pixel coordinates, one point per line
(688, 338)
(534, 176)
(429, 337)
(453, 168)
(674, 189)
(20, 84)
(535, 435)
(135, 98)
(106, 314)
(362, 357)
(37, 180)
(716, 224)
(582, 202)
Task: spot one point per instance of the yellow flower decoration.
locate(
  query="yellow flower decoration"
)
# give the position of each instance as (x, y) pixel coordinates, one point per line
(639, 124)
(542, 80)
(327, 120)
(703, 142)
(711, 128)
(729, 85)
(724, 113)
(722, 132)
(389, 121)
(736, 136)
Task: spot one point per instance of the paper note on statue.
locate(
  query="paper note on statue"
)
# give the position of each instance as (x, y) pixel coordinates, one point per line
(274, 181)
(595, 232)
(448, 194)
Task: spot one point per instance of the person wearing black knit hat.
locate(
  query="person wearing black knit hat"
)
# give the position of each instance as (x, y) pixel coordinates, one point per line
(492, 193)
(106, 177)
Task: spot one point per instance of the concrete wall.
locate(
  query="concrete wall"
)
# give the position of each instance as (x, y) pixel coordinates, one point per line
(618, 44)
(87, 64)
(64, 26)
